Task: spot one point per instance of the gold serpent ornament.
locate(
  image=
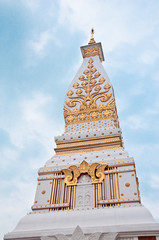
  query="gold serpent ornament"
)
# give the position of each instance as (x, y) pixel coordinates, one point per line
(85, 97)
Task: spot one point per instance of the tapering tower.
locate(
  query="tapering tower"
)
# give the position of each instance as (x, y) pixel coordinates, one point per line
(91, 181)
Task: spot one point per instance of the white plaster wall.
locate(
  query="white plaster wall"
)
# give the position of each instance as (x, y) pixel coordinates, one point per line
(128, 192)
(42, 199)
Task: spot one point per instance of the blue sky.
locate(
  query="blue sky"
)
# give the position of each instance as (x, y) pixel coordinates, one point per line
(39, 56)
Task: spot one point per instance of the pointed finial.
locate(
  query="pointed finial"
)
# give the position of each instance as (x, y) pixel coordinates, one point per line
(92, 37)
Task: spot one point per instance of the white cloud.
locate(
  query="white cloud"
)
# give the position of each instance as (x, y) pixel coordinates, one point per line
(152, 205)
(154, 181)
(32, 109)
(31, 125)
(149, 56)
(32, 122)
(122, 104)
(32, 5)
(143, 118)
(7, 156)
(40, 42)
(136, 122)
(122, 23)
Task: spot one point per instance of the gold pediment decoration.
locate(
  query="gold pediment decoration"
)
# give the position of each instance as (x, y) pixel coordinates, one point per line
(95, 171)
(86, 99)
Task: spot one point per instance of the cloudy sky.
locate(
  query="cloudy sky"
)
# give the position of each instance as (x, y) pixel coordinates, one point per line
(39, 56)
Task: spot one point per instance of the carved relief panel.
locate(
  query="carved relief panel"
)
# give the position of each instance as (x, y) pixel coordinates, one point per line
(84, 192)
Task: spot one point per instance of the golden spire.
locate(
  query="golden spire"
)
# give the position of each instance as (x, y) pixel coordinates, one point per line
(92, 37)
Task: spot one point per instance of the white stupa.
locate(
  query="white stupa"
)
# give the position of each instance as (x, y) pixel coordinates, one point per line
(89, 189)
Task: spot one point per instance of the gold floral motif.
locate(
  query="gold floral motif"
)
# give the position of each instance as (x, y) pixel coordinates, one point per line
(70, 118)
(95, 171)
(82, 116)
(84, 104)
(94, 114)
(106, 113)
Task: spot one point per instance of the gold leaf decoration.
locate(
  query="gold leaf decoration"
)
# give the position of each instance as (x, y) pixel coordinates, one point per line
(86, 72)
(97, 74)
(102, 80)
(81, 77)
(84, 83)
(97, 88)
(79, 91)
(75, 85)
(69, 93)
(107, 86)
(94, 70)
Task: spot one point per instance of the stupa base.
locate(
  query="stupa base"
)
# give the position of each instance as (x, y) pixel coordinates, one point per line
(104, 223)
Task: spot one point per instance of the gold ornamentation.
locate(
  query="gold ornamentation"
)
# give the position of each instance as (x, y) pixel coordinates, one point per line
(84, 167)
(127, 184)
(92, 51)
(71, 175)
(91, 41)
(95, 171)
(43, 192)
(87, 97)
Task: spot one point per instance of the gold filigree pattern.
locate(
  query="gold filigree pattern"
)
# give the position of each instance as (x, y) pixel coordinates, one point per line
(87, 98)
(95, 171)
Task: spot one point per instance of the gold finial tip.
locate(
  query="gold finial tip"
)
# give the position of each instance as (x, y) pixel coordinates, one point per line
(91, 41)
